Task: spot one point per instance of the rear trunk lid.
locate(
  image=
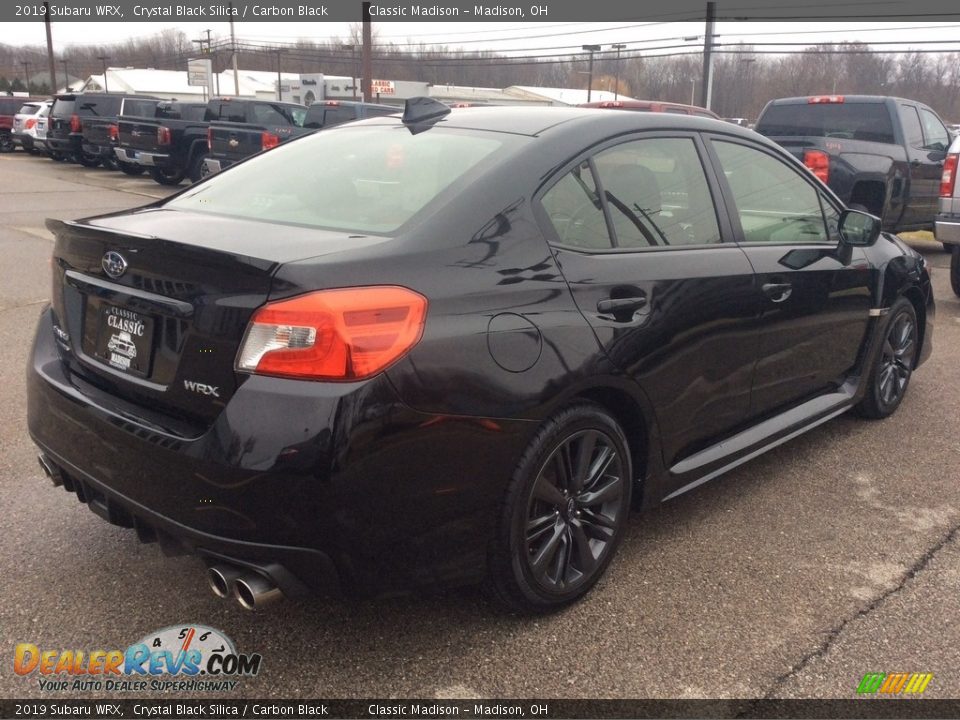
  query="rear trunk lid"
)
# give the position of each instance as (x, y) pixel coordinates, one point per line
(234, 141)
(151, 306)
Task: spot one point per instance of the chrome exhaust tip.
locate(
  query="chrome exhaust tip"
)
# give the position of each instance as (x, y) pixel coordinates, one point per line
(222, 578)
(255, 591)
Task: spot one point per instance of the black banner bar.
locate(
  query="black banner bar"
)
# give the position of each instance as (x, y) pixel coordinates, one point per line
(461, 10)
(170, 709)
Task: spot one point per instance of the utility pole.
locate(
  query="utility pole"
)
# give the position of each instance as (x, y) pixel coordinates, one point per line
(353, 66)
(233, 48)
(590, 49)
(616, 88)
(103, 59)
(279, 96)
(706, 88)
(51, 65)
(367, 82)
(26, 73)
(66, 76)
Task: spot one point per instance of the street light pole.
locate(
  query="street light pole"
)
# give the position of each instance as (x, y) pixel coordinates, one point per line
(103, 59)
(616, 86)
(26, 73)
(353, 67)
(590, 49)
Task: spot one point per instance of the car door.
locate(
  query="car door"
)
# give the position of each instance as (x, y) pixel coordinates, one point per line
(813, 300)
(925, 164)
(936, 141)
(651, 267)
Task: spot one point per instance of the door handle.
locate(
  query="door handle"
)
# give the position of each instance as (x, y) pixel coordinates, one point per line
(615, 306)
(778, 292)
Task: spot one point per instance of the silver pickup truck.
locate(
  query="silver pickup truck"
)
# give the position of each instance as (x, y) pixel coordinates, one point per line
(948, 220)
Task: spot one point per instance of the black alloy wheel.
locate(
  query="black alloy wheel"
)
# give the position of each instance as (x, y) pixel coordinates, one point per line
(895, 362)
(565, 513)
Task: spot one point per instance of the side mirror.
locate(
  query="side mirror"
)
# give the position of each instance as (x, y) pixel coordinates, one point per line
(858, 229)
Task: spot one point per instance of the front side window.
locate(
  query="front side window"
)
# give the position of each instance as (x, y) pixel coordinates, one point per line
(935, 134)
(912, 134)
(774, 202)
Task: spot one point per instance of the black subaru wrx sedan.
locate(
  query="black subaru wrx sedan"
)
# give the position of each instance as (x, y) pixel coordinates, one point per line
(457, 346)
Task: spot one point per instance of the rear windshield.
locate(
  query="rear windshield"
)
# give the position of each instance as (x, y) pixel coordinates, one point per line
(849, 121)
(369, 179)
(28, 109)
(62, 108)
(97, 106)
(139, 108)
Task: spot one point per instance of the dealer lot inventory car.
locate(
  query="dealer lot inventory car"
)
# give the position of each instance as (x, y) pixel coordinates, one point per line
(453, 347)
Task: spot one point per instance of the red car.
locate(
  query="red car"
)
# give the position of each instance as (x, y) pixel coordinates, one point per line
(652, 106)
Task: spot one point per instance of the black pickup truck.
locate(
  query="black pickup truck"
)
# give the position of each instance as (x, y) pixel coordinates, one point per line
(70, 116)
(100, 132)
(171, 144)
(231, 141)
(880, 154)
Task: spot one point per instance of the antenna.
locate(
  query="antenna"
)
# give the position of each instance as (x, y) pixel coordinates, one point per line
(423, 111)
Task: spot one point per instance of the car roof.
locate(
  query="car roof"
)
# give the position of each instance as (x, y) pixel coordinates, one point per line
(651, 105)
(583, 122)
(805, 99)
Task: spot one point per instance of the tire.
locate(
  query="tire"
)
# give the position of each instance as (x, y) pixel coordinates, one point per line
(554, 541)
(86, 159)
(167, 176)
(6, 143)
(197, 171)
(130, 168)
(955, 269)
(56, 156)
(890, 375)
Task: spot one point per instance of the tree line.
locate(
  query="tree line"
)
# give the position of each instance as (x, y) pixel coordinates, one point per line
(743, 79)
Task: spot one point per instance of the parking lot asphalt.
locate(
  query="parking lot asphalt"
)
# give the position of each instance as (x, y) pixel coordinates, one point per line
(832, 556)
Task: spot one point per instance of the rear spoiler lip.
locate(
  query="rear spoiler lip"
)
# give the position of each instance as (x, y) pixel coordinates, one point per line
(54, 226)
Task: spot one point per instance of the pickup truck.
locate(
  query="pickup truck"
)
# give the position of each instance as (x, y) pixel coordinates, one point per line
(231, 142)
(10, 106)
(71, 112)
(947, 228)
(170, 145)
(100, 132)
(880, 154)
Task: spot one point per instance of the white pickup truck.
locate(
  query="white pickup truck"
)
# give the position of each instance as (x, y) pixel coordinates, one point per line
(948, 219)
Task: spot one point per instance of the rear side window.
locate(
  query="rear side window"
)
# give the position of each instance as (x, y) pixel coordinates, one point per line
(774, 202)
(192, 112)
(366, 180)
(338, 114)
(848, 121)
(657, 194)
(576, 212)
(912, 134)
(269, 115)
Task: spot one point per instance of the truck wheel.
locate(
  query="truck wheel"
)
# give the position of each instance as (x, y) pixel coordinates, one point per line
(130, 168)
(955, 270)
(86, 159)
(56, 156)
(166, 176)
(197, 170)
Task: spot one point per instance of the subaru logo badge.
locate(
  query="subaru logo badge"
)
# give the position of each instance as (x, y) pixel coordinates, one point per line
(114, 264)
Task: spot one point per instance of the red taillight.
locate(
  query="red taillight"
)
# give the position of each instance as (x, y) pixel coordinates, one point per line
(75, 124)
(949, 178)
(31, 122)
(114, 133)
(210, 139)
(331, 103)
(820, 99)
(344, 334)
(163, 135)
(818, 162)
(611, 104)
(269, 140)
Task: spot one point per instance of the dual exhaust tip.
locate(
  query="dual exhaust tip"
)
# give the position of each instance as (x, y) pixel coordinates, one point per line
(252, 590)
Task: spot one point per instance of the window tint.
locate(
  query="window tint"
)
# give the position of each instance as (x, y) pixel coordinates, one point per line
(576, 212)
(912, 134)
(268, 115)
(365, 180)
(62, 107)
(934, 133)
(28, 109)
(774, 202)
(138, 108)
(851, 121)
(657, 193)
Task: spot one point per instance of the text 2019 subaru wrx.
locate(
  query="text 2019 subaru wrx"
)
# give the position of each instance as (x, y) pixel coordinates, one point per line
(453, 347)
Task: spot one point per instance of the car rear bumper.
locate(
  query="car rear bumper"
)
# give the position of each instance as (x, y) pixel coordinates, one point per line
(339, 484)
(139, 157)
(948, 229)
(68, 145)
(103, 151)
(24, 140)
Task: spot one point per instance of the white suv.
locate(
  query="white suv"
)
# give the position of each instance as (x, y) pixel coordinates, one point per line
(25, 123)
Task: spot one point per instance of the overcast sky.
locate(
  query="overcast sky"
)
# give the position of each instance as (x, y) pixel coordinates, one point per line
(514, 38)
